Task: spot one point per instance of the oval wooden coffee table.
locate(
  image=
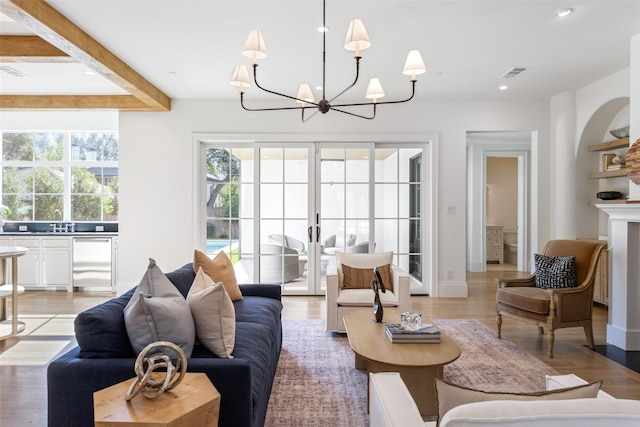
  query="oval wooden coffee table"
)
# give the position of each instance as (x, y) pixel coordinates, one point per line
(418, 364)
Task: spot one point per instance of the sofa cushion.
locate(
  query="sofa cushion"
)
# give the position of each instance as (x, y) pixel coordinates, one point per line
(530, 299)
(158, 312)
(101, 332)
(575, 412)
(449, 396)
(364, 298)
(213, 314)
(219, 269)
(554, 272)
(360, 278)
(182, 278)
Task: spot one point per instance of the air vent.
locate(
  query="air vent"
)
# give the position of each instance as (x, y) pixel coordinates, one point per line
(513, 72)
(12, 71)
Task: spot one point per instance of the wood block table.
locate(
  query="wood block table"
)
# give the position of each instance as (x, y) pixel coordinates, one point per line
(194, 402)
(418, 364)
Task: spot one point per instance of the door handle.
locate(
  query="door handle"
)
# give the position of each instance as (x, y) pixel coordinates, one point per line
(318, 234)
(310, 236)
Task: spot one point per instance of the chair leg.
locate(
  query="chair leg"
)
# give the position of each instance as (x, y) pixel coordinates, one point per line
(541, 330)
(551, 337)
(588, 331)
(499, 322)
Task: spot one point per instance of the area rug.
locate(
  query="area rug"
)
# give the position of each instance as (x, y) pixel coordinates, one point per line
(316, 383)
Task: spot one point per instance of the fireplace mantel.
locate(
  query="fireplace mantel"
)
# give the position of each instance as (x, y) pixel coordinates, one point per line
(623, 327)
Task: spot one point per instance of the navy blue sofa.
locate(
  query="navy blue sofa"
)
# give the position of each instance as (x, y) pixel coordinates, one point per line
(104, 357)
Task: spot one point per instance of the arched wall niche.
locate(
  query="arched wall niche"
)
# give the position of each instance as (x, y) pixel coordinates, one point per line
(591, 222)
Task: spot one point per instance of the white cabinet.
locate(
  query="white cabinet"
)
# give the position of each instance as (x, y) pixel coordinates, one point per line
(495, 244)
(55, 262)
(46, 264)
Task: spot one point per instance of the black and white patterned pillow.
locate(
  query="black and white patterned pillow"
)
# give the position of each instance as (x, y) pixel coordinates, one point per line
(553, 272)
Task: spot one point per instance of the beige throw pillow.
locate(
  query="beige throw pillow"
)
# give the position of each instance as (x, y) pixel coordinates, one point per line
(448, 395)
(360, 278)
(213, 314)
(219, 269)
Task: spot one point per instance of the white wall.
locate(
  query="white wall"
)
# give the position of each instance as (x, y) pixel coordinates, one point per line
(157, 152)
(580, 119)
(59, 120)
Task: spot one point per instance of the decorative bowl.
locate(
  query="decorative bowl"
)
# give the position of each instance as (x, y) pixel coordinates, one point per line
(609, 195)
(620, 132)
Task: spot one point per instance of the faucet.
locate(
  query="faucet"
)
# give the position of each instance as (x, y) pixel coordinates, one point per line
(57, 227)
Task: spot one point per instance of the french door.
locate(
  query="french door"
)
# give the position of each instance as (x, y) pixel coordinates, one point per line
(282, 211)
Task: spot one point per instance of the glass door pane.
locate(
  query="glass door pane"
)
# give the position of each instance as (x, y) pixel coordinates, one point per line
(284, 218)
(229, 207)
(398, 211)
(345, 197)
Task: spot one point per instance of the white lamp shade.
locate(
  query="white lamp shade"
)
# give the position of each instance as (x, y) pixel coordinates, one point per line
(254, 47)
(240, 77)
(304, 94)
(414, 64)
(357, 38)
(375, 89)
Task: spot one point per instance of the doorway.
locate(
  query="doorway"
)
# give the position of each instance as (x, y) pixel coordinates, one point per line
(480, 147)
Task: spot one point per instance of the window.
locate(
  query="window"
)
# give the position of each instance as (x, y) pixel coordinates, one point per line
(75, 173)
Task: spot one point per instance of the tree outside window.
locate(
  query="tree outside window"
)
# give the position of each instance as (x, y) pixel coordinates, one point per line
(47, 171)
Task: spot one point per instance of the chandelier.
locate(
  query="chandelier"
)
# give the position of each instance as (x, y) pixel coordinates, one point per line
(356, 41)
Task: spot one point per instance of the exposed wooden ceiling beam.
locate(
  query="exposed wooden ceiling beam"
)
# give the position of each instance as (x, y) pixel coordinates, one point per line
(30, 49)
(73, 102)
(58, 30)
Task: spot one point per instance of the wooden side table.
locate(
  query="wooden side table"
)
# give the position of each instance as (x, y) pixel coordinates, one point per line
(193, 402)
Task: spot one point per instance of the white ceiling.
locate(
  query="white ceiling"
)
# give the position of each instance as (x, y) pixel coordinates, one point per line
(188, 49)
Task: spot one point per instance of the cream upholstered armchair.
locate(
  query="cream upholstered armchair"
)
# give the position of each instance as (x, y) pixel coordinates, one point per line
(342, 297)
(557, 307)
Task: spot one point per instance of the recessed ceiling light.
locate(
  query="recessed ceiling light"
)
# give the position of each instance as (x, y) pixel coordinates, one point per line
(561, 13)
(323, 29)
(173, 73)
(318, 87)
(91, 73)
(503, 87)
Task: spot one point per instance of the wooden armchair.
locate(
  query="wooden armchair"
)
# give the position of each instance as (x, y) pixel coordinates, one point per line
(554, 308)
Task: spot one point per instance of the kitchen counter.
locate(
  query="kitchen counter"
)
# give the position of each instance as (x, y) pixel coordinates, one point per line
(59, 234)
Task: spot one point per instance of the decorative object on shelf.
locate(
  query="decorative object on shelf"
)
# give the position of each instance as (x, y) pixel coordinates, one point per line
(377, 285)
(607, 160)
(145, 366)
(633, 162)
(620, 132)
(609, 195)
(411, 321)
(356, 40)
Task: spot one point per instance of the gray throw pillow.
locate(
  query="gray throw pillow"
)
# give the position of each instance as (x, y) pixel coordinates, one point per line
(554, 272)
(158, 312)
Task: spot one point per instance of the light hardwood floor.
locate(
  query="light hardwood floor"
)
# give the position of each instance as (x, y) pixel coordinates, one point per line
(23, 384)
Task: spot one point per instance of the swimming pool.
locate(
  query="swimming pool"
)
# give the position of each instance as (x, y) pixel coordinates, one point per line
(215, 245)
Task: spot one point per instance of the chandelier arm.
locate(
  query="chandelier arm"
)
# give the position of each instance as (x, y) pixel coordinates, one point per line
(354, 80)
(266, 109)
(357, 115)
(312, 114)
(255, 79)
(413, 92)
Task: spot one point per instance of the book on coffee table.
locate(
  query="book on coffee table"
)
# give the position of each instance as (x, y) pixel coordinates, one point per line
(427, 333)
